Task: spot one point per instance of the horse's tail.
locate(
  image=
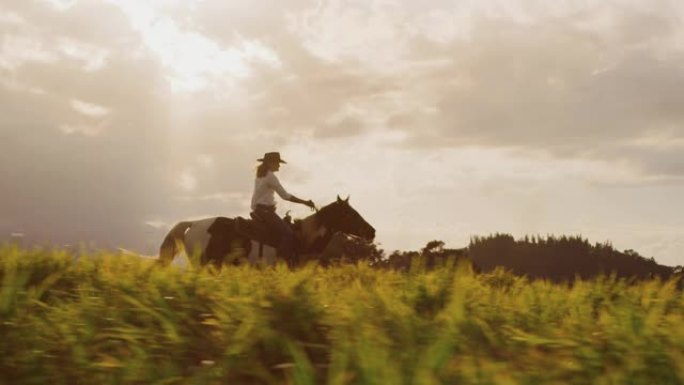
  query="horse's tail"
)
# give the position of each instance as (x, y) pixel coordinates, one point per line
(174, 239)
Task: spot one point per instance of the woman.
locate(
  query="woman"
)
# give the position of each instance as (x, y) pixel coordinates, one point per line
(264, 206)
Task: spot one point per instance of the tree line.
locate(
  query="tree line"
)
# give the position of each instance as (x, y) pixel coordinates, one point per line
(558, 258)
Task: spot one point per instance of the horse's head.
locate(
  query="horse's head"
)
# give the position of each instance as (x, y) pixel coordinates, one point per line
(340, 216)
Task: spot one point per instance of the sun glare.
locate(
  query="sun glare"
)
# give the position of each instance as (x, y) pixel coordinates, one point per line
(193, 61)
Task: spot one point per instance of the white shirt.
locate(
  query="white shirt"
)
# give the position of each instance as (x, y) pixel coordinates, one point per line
(264, 189)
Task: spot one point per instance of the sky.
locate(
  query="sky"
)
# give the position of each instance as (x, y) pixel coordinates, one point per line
(440, 119)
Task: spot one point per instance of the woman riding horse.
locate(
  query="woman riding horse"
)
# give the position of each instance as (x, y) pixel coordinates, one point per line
(264, 206)
(212, 239)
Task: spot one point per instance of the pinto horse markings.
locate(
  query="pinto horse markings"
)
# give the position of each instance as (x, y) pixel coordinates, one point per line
(212, 239)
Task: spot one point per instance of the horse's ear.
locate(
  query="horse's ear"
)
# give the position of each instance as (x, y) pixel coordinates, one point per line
(347, 200)
(338, 198)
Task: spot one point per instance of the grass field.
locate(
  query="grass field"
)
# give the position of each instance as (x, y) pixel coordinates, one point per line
(110, 319)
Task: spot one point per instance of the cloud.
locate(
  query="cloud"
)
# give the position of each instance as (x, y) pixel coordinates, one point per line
(193, 60)
(571, 80)
(77, 134)
(89, 109)
(87, 130)
(17, 50)
(92, 57)
(574, 80)
(61, 5)
(536, 86)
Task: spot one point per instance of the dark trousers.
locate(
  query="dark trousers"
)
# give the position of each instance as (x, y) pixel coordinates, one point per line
(277, 225)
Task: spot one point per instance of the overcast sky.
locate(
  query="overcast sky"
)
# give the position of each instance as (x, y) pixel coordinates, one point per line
(442, 119)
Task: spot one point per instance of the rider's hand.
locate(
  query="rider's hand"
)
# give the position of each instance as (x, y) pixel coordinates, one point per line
(311, 204)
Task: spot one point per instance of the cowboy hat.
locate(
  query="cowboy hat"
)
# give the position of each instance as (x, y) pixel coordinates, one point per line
(271, 157)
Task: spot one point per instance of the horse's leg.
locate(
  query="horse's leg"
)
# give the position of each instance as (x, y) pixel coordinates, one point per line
(220, 246)
(253, 255)
(246, 245)
(270, 255)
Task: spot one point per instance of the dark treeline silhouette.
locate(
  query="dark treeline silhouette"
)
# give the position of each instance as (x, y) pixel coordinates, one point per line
(559, 258)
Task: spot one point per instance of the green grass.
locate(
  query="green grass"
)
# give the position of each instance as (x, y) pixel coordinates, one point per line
(111, 319)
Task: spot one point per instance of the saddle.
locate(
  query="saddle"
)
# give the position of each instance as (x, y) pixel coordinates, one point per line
(258, 231)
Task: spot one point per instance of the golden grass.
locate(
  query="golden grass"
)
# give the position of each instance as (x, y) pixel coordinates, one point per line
(115, 319)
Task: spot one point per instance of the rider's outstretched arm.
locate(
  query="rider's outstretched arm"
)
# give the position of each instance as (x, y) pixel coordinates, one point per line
(275, 183)
(301, 201)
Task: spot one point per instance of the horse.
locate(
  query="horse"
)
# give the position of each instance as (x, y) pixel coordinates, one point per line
(213, 240)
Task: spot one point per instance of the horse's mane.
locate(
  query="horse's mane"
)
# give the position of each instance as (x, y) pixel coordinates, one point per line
(323, 214)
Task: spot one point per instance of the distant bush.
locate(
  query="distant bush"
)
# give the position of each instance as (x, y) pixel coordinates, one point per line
(433, 255)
